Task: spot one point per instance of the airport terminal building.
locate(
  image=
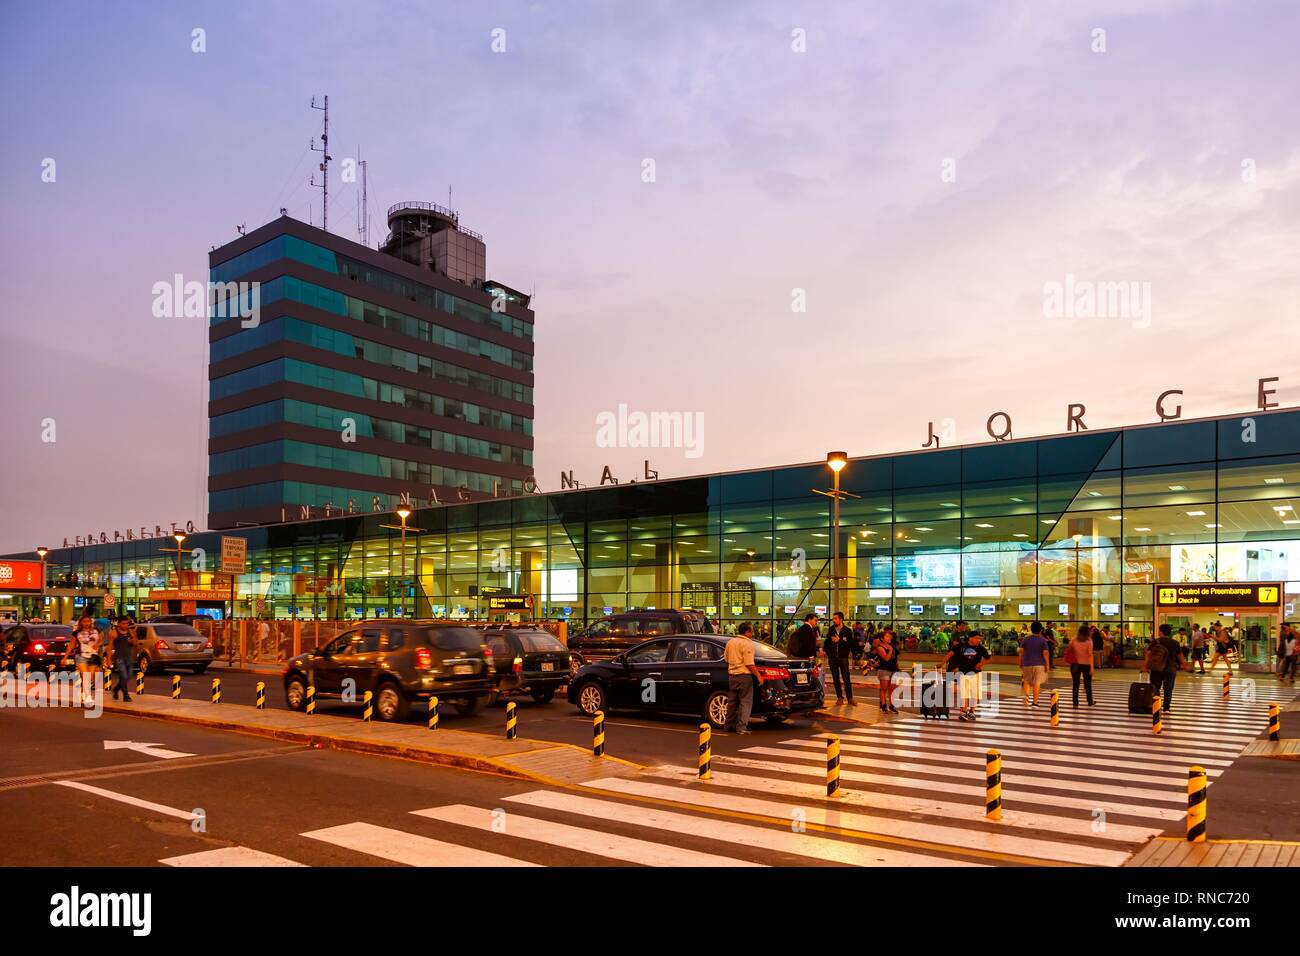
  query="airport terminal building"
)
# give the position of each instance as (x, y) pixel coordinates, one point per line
(1183, 521)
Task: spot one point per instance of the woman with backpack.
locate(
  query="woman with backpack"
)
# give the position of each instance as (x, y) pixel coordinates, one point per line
(1079, 655)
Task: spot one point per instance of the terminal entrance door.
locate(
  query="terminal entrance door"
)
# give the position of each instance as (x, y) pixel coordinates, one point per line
(1254, 607)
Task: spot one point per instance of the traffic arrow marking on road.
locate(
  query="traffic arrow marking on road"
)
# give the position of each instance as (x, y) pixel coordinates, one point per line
(153, 750)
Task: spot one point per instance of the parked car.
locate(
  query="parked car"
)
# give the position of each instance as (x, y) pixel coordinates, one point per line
(530, 661)
(160, 646)
(401, 662)
(39, 647)
(686, 674)
(621, 632)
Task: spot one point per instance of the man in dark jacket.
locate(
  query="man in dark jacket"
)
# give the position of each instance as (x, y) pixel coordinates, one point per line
(803, 642)
(839, 649)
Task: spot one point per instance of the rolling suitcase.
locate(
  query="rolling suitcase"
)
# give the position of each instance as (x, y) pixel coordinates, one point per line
(933, 702)
(1140, 696)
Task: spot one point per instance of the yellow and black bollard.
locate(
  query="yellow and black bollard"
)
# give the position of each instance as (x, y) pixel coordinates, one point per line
(512, 720)
(1274, 722)
(261, 695)
(1196, 783)
(176, 687)
(1056, 708)
(216, 690)
(1227, 686)
(1157, 714)
(311, 699)
(993, 785)
(706, 752)
(139, 682)
(433, 713)
(598, 734)
(833, 766)
(368, 706)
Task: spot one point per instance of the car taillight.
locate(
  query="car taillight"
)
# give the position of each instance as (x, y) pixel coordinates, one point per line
(160, 645)
(487, 651)
(817, 673)
(208, 646)
(518, 667)
(38, 648)
(423, 658)
(774, 673)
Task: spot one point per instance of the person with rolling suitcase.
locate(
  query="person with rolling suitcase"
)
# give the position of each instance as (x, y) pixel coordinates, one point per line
(1164, 659)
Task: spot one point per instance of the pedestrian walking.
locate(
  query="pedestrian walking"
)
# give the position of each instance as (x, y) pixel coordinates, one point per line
(1164, 658)
(1080, 655)
(122, 647)
(84, 650)
(741, 675)
(803, 642)
(1035, 659)
(1200, 644)
(1222, 649)
(966, 658)
(1290, 655)
(886, 668)
(838, 647)
(1098, 637)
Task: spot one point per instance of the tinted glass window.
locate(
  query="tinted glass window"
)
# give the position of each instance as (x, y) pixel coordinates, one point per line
(499, 647)
(369, 640)
(175, 630)
(336, 646)
(454, 639)
(396, 638)
(768, 652)
(599, 629)
(538, 641)
(655, 653)
(624, 627)
(1169, 444)
(653, 628)
(696, 651)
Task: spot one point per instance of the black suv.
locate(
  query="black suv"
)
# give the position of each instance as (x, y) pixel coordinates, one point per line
(401, 662)
(529, 660)
(617, 633)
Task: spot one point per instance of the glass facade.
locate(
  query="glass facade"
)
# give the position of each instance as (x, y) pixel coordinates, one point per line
(1068, 529)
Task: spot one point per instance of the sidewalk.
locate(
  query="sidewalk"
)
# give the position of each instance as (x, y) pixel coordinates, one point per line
(534, 760)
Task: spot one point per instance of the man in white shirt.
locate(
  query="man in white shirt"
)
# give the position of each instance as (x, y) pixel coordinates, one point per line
(741, 674)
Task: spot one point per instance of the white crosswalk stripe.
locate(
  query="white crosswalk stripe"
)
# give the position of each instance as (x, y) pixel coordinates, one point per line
(228, 856)
(398, 846)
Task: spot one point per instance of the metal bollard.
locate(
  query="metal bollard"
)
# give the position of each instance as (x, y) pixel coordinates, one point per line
(216, 690)
(512, 720)
(598, 734)
(1196, 804)
(367, 706)
(1157, 714)
(833, 766)
(1227, 686)
(993, 785)
(1274, 722)
(311, 699)
(176, 687)
(1056, 709)
(261, 695)
(139, 682)
(706, 752)
(433, 713)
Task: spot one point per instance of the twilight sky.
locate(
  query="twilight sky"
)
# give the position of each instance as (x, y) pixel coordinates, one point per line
(920, 173)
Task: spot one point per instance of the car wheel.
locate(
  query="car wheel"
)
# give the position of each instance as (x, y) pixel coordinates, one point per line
(591, 698)
(391, 703)
(775, 719)
(544, 696)
(716, 709)
(200, 668)
(295, 693)
(142, 663)
(469, 707)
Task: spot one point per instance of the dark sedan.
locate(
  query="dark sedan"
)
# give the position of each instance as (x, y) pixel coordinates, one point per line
(686, 674)
(38, 647)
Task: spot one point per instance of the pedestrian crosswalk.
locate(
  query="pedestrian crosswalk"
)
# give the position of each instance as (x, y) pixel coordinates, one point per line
(1089, 792)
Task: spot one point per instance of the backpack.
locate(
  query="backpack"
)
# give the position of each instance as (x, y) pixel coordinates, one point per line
(1157, 657)
(1070, 656)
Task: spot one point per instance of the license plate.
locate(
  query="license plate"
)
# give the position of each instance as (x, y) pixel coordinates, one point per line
(801, 678)
(548, 667)
(463, 669)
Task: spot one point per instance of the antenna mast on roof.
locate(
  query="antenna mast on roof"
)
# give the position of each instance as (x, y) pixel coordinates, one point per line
(363, 218)
(324, 167)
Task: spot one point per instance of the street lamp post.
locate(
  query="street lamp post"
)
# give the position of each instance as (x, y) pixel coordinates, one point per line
(403, 512)
(835, 461)
(41, 552)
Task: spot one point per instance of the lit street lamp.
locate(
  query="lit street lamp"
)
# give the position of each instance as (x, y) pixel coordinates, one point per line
(835, 461)
(403, 512)
(41, 552)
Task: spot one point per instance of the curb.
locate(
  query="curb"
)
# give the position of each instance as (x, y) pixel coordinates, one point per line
(442, 758)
